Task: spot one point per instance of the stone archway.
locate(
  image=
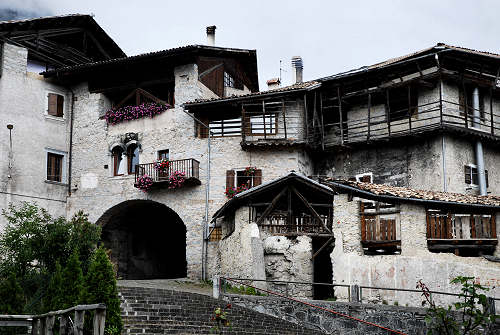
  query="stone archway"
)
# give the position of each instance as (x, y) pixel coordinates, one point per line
(147, 240)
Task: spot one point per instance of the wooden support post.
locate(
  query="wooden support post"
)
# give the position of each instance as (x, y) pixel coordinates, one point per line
(99, 321)
(322, 121)
(491, 112)
(388, 112)
(49, 324)
(369, 114)
(78, 322)
(310, 208)
(270, 208)
(449, 233)
(37, 327)
(472, 227)
(341, 121)
(63, 325)
(466, 107)
(243, 123)
(289, 216)
(264, 116)
(330, 240)
(284, 117)
(409, 107)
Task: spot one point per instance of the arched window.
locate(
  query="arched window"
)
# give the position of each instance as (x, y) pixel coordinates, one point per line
(118, 161)
(132, 157)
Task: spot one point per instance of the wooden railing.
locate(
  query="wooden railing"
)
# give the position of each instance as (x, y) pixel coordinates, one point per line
(71, 320)
(299, 225)
(379, 228)
(190, 167)
(460, 227)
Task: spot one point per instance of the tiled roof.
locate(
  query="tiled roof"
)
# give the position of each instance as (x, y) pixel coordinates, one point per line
(285, 89)
(42, 18)
(409, 194)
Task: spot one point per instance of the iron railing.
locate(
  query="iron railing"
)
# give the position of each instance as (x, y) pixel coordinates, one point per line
(190, 167)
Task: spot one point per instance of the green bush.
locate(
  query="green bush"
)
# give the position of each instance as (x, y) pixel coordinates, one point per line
(100, 287)
(53, 297)
(11, 295)
(72, 288)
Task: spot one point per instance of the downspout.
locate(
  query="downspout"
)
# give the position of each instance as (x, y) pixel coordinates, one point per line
(70, 154)
(205, 224)
(476, 117)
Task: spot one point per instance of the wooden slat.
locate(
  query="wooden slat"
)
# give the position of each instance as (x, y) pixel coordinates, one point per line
(394, 230)
(428, 220)
(472, 227)
(493, 226)
(273, 204)
(310, 208)
(363, 221)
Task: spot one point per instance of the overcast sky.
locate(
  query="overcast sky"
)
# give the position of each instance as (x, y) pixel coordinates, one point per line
(331, 36)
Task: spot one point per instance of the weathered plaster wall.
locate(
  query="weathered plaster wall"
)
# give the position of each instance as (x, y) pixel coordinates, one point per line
(23, 103)
(402, 271)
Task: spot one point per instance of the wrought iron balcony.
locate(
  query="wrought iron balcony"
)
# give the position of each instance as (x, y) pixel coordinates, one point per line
(162, 178)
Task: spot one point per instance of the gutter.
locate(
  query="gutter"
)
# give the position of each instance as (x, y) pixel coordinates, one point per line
(392, 198)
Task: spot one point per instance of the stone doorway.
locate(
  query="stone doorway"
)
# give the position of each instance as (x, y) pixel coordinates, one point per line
(147, 240)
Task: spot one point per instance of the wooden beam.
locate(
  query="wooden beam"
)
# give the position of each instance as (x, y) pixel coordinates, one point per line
(330, 240)
(341, 121)
(98, 45)
(284, 118)
(271, 206)
(388, 112)
(306, 117)
(369, 114)
(264, 117)
(322, 121)
(310, 208)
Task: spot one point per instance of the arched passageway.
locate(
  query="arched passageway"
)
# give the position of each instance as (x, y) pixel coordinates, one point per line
(147, 240)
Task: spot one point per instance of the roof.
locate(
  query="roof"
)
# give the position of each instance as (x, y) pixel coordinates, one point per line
(147, 56)
(298, 87)
(240, 198)
(392, 193)
(12, 28)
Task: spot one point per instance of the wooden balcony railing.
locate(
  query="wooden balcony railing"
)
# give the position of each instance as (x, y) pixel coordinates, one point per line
(299, 225)
(460, 231)
(379, 230)
(190, 167)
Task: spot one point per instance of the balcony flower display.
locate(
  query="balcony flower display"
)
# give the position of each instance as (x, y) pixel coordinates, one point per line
(127, 113)
(176, 179)
(232, 191)
(162, 165)
(250, 170)
(144, 183)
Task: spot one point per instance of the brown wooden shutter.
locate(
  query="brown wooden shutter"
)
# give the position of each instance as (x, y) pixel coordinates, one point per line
(60, 105)
(52, 108)
(229, 179)
(257, 177)
(467, 172)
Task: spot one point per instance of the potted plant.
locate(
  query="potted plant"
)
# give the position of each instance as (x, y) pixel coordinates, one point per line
(250, 170)
(161, 165)
(144, 183)
(127, 113)
(176, 179)
(232, 191)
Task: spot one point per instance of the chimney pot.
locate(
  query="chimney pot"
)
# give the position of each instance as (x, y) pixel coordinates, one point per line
(298, 66)
(273, 83)
(211, 35)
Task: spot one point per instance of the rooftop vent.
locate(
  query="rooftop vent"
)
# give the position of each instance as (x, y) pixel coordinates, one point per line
(211, 35)
(298, 67)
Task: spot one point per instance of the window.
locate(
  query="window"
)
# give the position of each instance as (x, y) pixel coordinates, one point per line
(224, 128)
(380, 230)
(55, 167)
(118, 161)
(132, 157)
(365, 177)
(228, 80)
(164, 154)
(238, 178)
(471, 175)
(55, 105)
(216, 234)
(265, 124)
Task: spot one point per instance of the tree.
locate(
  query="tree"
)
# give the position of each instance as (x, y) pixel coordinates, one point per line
(474, 314)
(100, 287)
(72, 277)
(11, 295)
(53, 296)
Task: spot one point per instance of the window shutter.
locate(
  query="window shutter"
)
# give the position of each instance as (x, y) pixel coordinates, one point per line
(257, 177)
(52, 110)
(467, 172)
(229, 179)
(366, 179)
(486, 176)
(60, 105)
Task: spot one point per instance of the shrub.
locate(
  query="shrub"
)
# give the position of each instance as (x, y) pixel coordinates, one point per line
(11, 295)
(53, 297)
(72, 288)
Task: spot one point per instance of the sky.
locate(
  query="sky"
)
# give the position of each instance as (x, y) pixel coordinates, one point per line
(331, 36)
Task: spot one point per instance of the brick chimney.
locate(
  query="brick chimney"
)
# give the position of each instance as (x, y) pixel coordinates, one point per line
(273, 83)
(211, 35)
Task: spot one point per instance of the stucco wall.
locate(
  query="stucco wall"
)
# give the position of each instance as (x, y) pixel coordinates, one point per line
(401, 271)
(23, 103)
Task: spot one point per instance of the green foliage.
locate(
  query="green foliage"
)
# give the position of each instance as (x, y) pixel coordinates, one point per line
(72, 288)
(220, 319)
(474, 311)
(242, 290)
(53, 298)
(100, 287)
(11, 295)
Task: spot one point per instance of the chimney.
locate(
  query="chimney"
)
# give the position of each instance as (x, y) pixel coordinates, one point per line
(298, 66)
(211, 35)
(273, 83)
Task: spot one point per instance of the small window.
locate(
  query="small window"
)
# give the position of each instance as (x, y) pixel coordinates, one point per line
(164, 154)
(228, 80)
(54, 167)
(224, 128)
(472, 177)
(265, 124)
(216, 234)
(118, 161)
(132, 158)
(239, 178)
(55, 105)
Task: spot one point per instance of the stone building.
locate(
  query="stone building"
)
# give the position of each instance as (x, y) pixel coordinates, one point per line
(95, 123)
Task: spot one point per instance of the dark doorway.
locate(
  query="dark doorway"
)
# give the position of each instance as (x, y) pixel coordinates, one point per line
(147, 240)
(322, 269)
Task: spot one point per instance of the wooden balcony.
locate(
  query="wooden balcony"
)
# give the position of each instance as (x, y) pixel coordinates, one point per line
(379, 229)
(461, 233)
(190, 167)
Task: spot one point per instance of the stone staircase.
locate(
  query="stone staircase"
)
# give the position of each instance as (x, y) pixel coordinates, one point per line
(160, 311)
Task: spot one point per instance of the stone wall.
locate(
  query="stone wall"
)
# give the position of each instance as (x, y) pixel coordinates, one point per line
(436, 270)
(23, 102)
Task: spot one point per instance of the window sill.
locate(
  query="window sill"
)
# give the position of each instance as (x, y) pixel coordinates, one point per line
(55, 118)
(56, 183)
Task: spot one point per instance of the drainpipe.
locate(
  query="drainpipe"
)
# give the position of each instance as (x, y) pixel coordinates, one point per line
(205, 224)
(479, 145)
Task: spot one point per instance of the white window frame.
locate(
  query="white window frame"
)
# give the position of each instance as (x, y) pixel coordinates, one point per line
(236, 177)
(361, 175)
(64, 180)
(65, 109)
